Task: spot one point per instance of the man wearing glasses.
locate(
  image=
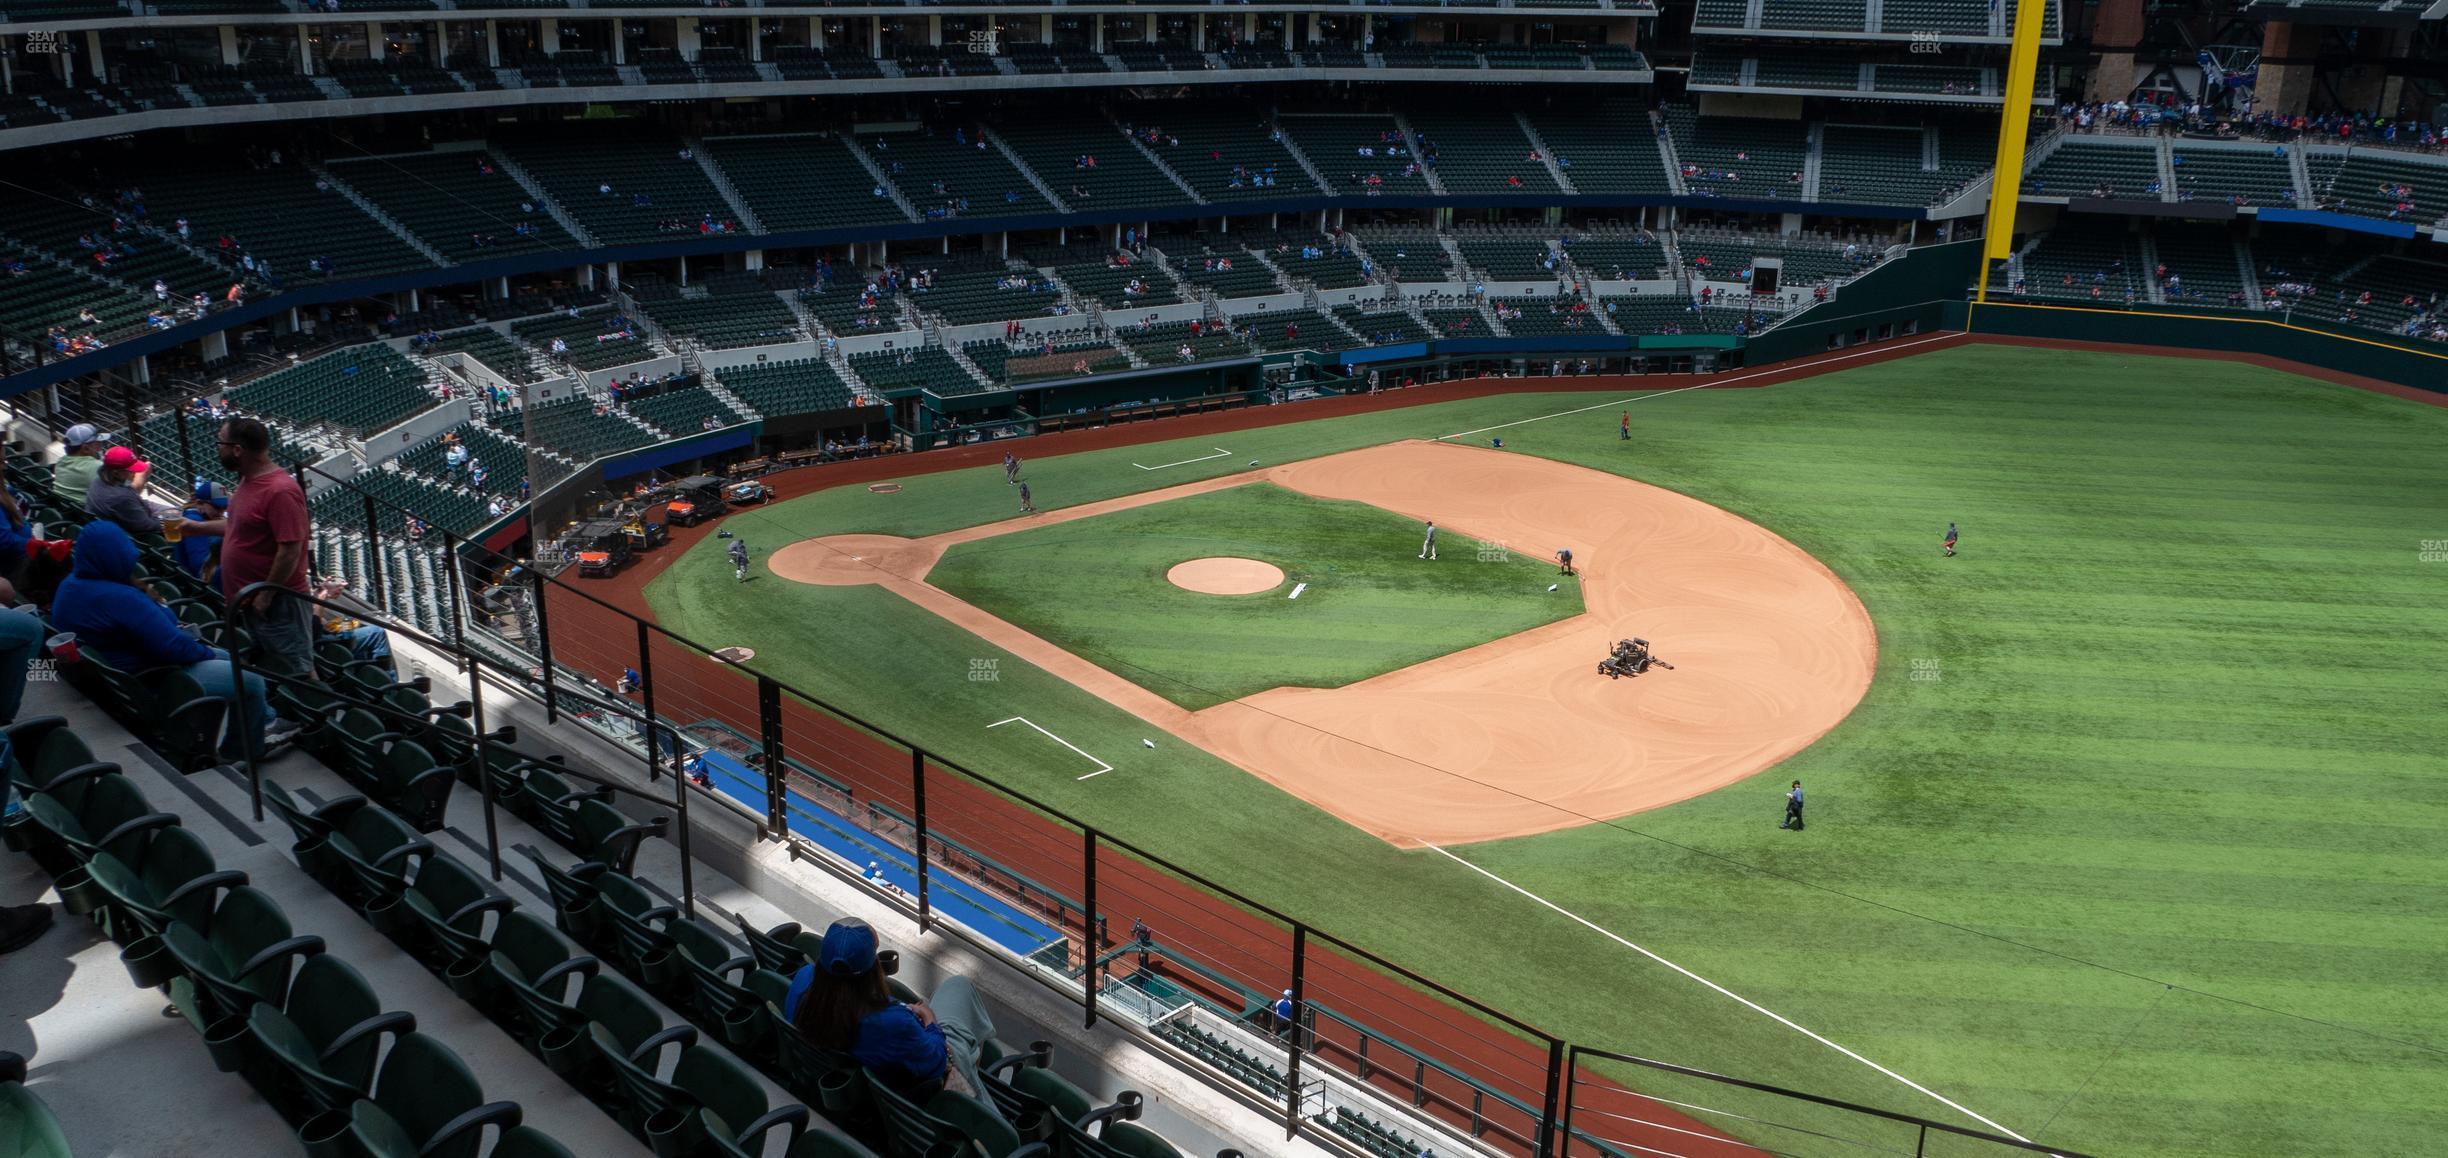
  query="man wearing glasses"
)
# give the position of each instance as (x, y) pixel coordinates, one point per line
(264, 540)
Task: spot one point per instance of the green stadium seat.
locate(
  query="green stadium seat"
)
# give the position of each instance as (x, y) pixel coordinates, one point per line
(426, 1104)
(31, 1130)
(319, 1042)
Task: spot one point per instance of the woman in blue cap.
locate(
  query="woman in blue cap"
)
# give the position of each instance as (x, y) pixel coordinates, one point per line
(843, 1003)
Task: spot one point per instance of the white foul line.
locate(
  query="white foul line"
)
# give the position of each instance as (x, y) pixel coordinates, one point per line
(1701, 386)
(1102, 767)
(1220, 452)
(1781, 1019)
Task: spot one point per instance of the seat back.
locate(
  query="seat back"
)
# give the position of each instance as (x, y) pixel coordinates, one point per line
(216, 959)
(531, 963)
(423, 1085)
(575, 907)
(28, 1129)
(325, 1036)
(448, 902)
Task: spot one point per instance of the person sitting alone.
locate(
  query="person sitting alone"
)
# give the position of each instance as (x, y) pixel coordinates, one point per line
(843, 1003)
(121, 623)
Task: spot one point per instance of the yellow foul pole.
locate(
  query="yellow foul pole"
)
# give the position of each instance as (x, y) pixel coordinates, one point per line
(2014, 128)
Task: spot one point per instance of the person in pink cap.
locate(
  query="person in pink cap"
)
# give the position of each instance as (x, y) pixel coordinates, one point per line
(117, 495)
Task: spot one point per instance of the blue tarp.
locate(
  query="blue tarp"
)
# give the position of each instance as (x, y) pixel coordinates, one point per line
(988, 915)
(2327, 220)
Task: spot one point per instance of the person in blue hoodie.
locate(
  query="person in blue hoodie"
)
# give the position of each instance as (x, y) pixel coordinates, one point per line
(121, 624)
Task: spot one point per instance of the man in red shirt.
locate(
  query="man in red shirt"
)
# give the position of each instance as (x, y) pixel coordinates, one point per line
(264, 540)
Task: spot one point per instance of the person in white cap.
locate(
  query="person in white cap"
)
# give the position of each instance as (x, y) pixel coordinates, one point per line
(73, 474)
(1283, 1014)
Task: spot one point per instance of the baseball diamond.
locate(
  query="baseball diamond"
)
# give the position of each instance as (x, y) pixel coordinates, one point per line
(1183, 579)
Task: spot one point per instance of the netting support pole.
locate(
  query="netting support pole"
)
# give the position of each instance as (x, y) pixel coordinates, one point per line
(1555, 1082)
(374, 558)
(654, 764)
(1572, 1081)
(1088, 924)
(777, 770)
(918, 841)
(1292, 1044)
(484, 762)
(458, 596)
(543, 640)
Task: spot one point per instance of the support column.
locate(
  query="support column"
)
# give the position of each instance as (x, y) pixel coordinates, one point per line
(690, 38)
(756, 40)
(93, 57)
(753, 260)
(306, 62)
(2116, 31)
(2367, 86)
(548, 34)
(816, 33)
(935, 31)
(612, 275)
(492, 44)
(620, 45)
(215, 345)
(229, 45)
(2287, 53)
(374, 40)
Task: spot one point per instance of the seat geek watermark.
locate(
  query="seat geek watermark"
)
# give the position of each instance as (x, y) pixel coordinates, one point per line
(2433, 551)
(42, 44)
(1494, 552)
(1925, 671)
(985, 671)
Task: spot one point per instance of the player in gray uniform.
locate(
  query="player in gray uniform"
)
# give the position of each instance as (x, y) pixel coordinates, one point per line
(1011, 468)
(739, 560)
(1428, 545)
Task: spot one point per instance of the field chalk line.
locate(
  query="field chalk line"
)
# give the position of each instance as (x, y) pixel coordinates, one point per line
(1220, 453)
(1681, 389)
(1755, 1006)
(1102, 767)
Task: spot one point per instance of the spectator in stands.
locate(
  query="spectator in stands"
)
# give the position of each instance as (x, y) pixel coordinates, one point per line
(264, 541)
(842, 1002)
(117, 494)
(118, 622)
(366, 641)
(199, 554)
(74, 473)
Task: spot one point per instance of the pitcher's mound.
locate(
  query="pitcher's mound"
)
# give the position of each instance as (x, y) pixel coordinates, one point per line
(1225, 575)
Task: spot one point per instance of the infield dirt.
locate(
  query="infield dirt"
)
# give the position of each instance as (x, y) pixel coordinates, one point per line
(1520, 735)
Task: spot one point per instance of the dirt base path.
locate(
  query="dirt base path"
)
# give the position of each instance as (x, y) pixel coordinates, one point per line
(1519, 735)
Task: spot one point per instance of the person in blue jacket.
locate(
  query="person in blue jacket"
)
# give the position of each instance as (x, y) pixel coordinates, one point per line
(121, 624)
(197, 553)
(842, 1003)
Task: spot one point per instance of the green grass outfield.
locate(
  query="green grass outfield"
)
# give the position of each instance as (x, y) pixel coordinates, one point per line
(1097, 587)
(2136, 844)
